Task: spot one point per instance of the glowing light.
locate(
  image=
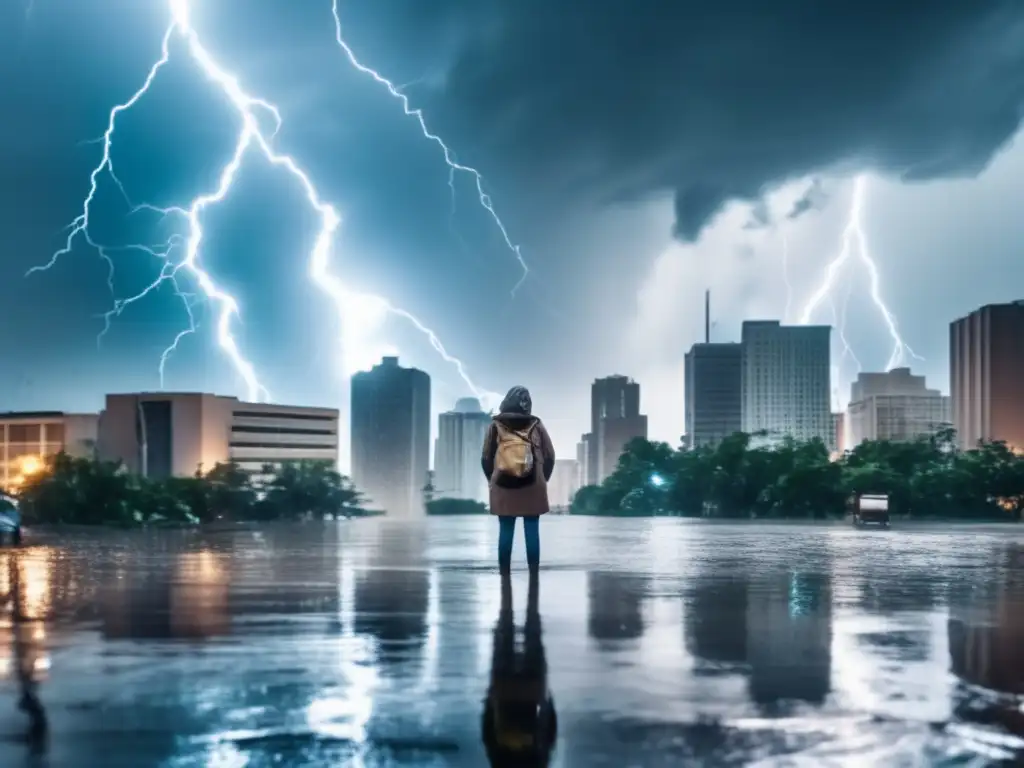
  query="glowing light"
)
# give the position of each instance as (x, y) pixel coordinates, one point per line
(855, 240)
(30, 465)
(359, 313)
(449, 156)
(657, 480)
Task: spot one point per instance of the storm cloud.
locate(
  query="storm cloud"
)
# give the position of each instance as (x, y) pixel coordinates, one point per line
(716, 101)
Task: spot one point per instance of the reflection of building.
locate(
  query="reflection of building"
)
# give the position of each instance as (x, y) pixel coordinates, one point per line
(986, 374)
(564, 483)
(785, 380)
(615, 419)
(986, 636)
(460, 439)
(712, 393)
(26, 437)
(895, 406)
(615, 606)
(789, 639)
(165, 434)
(716, 621)
(392, 595)
(391, 436)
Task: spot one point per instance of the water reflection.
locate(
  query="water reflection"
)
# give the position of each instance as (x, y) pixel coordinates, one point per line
(716, 623)
(24, 590)
(986, 648)
(519, 723)
(615, 607)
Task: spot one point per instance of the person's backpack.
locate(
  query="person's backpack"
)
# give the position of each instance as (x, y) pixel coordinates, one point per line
(514, 460)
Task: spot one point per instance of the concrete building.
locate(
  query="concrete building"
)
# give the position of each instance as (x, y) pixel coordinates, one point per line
(457, 452)
(839, 433)
(391, 436)
(986, 375)
(162, 434)
(784, 382)
(28, 437)
(714, 405)
(896, 405)
(564, 483)
(615, 419)
(584, 448)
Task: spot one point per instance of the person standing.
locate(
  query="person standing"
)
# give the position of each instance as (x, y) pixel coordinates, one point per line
(518, 459)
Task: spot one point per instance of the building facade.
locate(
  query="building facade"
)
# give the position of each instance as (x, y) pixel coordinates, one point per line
(564, 483)
(615, 419)
(986, 375)
(713, 397)
(457, 452)
(160, 434)
(391, 436)
(784, 380)
(583, 450)
(28, 437)
(895, 405)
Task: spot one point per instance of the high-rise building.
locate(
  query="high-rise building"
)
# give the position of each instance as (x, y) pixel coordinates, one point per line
(564, 483)
(714, 405)
(785, 376)
(839, 432)
(164, 434)
(986, 375)
(584, 450)
(391, 436)
(615, 419)
(894, 406)
(460, 440)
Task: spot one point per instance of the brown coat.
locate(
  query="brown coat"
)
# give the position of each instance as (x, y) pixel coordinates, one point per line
(530, 500)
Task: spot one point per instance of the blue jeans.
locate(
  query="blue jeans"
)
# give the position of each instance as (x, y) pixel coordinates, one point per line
(531, 532)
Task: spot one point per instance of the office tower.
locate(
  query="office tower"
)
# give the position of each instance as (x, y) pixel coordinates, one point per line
(785, 376)
(839, 432)
(460, 440)
(714, 406)
(564, 483)
(986, 375)
(584, 449)
(894, 406)
(615, 419)
(391, 436)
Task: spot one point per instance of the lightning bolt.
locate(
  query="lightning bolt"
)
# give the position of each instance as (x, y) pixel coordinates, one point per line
(357, 311)
(855, 241)
(449, 156)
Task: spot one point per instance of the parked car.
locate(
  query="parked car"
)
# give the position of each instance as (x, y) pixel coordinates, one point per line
(869, 509)
(10, 519)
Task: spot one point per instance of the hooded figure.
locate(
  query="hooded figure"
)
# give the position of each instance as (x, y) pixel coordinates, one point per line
(518, 459)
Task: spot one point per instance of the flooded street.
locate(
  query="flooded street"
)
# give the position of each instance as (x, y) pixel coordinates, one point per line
(370, 643)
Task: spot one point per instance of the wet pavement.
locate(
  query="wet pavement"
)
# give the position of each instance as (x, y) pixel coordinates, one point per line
(373, 643)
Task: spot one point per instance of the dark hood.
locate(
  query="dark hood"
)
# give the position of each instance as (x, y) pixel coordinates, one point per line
(518, 401)
(516, 420)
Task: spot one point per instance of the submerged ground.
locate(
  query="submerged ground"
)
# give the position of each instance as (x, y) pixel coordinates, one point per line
(668, 642)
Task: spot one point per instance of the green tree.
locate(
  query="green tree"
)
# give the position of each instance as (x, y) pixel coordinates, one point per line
(308, 489)
(447, 506)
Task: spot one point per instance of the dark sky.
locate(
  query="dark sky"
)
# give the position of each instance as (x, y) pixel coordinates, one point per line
(638, 151)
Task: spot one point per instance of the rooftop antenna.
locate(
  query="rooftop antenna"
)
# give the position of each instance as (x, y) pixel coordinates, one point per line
(707, 317)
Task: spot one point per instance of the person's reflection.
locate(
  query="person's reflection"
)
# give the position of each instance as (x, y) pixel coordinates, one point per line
(519, 725)
(27, 647)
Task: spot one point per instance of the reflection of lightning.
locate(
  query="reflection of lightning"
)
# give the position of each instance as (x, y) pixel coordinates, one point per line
(855, 239)
(449, 157)
(358, 312)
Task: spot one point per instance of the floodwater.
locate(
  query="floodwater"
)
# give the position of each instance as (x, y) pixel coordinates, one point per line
(371, 643)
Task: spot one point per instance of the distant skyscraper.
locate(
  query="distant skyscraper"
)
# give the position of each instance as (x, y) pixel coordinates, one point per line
(615, 419)
(391, 436)
(894, 406)
(986, 375)
(460, 440)
(564, 483)
(714, 404)
(583, 450)
(785, 380)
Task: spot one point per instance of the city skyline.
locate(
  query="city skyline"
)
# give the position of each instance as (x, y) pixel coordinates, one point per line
(610, 288)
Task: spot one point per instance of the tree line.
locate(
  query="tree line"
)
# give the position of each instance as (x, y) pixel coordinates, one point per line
(738, 478)
(89, 491)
